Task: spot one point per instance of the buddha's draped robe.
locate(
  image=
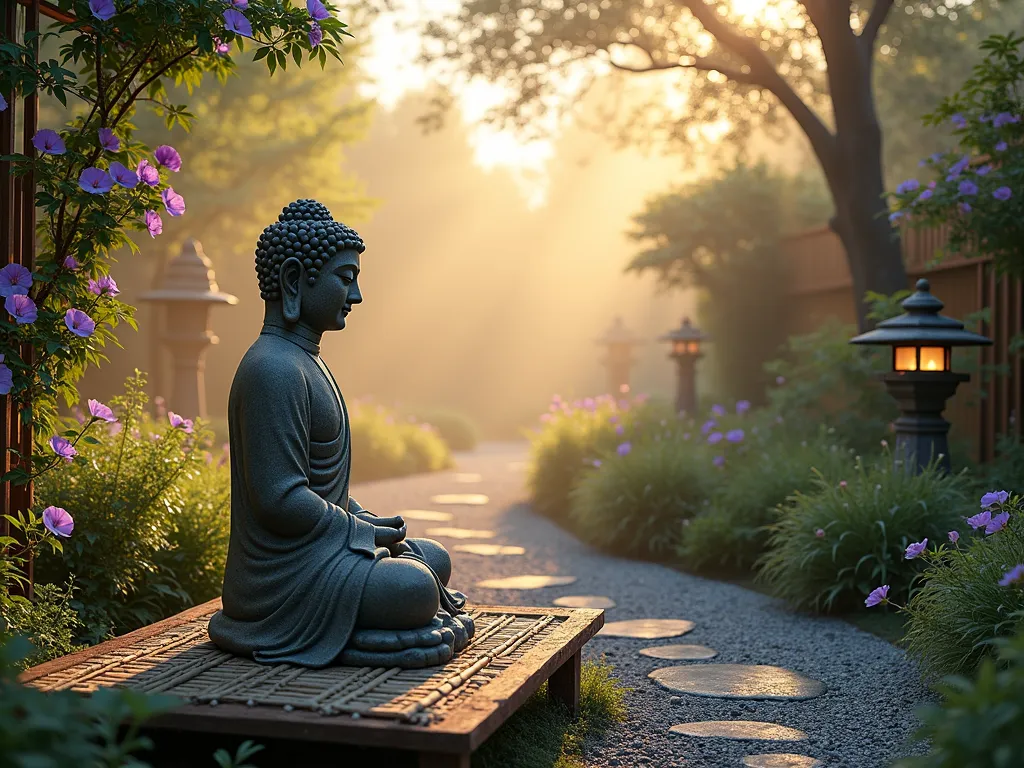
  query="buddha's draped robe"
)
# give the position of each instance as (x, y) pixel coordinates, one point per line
(297, 559)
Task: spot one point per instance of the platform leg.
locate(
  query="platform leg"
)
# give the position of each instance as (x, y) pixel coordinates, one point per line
(564, 684)
(443, 760)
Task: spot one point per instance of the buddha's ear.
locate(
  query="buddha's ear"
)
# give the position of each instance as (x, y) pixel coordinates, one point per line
(291, 289)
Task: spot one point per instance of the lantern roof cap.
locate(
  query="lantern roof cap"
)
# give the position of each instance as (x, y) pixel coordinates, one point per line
(189, 277)
(921, 324)
(619, 333)
(686, 331)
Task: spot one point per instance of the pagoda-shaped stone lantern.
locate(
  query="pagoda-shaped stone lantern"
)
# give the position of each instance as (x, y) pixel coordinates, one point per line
(187, 290)
(619, 342)
(686, 350)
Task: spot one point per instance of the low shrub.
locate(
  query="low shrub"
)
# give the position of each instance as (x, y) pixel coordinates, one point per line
(965, 603)
(980, 722)
(386, 445)
(48, 621)
(834, 544)
(458, 430)
(639, 498)
(731, 533)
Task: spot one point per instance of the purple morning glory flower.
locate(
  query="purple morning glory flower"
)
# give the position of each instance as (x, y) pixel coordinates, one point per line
(718, 461)
(79, 323)
(1004, 118)
(124, 176)
(954, 537)
(979, 520)
(15, 278)
(624, 449)
(95, 181)
(48, 142)
(714, 438)
(102, 9)
(6, 379)
(22, 308)
(102, 412)
(154, 224)
(168, 157)
(708, 426)
(958, 167)
(1001, 146)
(180, 422)
(173, 202)
(964, 208)
(959, 120)
(58, 521)
(1003, 193)
(317, 10)
(967, 187)
(984, 170)
(915, 549)
(3, 103)
(63, 448)
(235, 22)
(220, 46)
(240, 4)
(994, 499)
(895, 216)
(907, 186)
(878, 595)
(742, 406)
(734, 435)
(103, 286)
(109, 141)
(148, 173)
(70, 263)
(718, 410)
(316, 35)
(1012, 576)
(997, 523)
(926, 195)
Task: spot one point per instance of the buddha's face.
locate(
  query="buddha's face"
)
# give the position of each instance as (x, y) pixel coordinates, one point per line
(326, 303)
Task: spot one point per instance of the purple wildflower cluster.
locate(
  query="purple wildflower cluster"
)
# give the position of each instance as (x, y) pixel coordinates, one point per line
(714, 436)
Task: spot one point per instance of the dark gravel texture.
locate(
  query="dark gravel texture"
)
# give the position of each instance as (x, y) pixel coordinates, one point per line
(862, 721)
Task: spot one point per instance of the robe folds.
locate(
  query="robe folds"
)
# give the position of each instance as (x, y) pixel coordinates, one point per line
(297, 559)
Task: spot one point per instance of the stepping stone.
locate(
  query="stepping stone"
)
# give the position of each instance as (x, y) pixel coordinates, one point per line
(738, 681)
(468, 477)
(680, 652)
(429, 515)
(780, 760)
(647, 629)
(740, 730)
(585, 601)
(488, 550)
(527, 582)
(460, 533)
(468, 499)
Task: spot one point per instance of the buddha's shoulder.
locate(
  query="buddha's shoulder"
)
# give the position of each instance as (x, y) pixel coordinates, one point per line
(268, 360)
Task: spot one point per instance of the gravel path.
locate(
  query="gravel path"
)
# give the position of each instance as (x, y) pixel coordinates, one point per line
(863, 721)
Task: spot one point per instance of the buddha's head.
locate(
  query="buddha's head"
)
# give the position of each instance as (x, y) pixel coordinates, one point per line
(308, 267)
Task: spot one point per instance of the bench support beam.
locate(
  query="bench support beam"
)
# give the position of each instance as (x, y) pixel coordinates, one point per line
(564, 684)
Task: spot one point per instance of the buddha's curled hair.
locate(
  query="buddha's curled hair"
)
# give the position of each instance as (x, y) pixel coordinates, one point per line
(306, 231)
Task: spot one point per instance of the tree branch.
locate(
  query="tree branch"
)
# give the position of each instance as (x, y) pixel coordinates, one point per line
(879, 13)
(697, 62)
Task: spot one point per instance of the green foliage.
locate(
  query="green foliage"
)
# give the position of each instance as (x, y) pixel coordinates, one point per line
(980, 722)
(731, 534)
(125, 493)
(386, 445)
(961, 607)
(1007, 468)
(67, 729)
(48, 621)
(866, 522)
(542, 735)
(986, 117)
(638, 503)
(245, 750)
(457, 429)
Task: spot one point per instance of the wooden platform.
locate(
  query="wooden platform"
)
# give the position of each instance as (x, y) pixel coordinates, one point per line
(442, 713)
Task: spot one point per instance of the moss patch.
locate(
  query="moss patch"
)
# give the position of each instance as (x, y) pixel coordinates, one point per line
(543, 735)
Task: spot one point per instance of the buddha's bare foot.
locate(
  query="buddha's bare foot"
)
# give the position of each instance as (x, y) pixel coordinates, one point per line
(409, 648)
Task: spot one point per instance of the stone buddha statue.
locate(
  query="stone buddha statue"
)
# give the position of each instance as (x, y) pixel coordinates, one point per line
(312, 578)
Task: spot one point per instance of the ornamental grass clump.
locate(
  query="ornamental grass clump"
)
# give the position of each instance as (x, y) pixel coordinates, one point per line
(836, 542)
(638, 501)
(971, 591)
(386, 445)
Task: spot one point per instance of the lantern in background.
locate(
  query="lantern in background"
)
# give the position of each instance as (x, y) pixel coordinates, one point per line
(686, 341)
(619, 342)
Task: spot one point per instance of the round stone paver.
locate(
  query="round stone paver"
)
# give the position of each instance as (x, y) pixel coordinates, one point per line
(468, 477)
(647, 629)
(585, 601)
(533, 581)
(781, 760)
(489, 550)
(740, 730)
(460, 533)
(738, 681)
(680, 652)
(468, 499)
(430, 515)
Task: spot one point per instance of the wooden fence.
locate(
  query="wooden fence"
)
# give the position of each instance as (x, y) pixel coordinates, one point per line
(991, 403)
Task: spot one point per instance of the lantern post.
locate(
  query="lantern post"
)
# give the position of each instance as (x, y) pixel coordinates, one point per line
(686, 350)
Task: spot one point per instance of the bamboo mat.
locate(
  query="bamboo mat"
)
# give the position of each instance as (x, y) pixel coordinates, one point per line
(182, 661)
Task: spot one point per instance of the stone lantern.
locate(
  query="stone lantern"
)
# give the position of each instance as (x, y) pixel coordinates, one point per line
(619, 342)
(922, 378)
(686, 350)
(187, 291)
